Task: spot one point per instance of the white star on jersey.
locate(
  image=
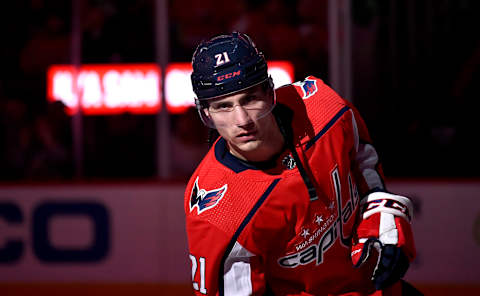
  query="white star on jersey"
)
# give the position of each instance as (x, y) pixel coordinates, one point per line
(331, 206)
(305, 233)
(319, 219)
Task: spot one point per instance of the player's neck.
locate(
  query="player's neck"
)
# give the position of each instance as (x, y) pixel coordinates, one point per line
(261, 155)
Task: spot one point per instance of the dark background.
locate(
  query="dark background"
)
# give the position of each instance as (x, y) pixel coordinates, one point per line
(416, 77)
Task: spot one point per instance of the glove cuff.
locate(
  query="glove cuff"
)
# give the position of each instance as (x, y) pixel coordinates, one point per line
(385, 202)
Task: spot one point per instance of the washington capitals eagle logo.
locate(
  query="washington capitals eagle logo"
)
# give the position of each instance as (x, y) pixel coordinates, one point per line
(205, 200)
(309, 87)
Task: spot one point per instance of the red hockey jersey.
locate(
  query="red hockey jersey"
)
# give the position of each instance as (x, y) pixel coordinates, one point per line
(255, 231)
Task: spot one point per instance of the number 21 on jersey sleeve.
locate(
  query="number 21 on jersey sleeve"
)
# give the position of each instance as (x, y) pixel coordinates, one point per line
(201, 260)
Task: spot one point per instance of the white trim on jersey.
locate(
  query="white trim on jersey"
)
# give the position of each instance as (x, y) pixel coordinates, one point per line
(367, 159)
(356, 137)
(237, 276)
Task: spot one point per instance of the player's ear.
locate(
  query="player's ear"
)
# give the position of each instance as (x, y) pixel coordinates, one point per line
(202, 108)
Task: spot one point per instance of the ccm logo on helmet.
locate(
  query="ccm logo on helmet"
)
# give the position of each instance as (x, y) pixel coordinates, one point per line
(229, 75)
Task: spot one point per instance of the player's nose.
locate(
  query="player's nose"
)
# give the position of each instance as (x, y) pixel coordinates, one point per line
(240, 116)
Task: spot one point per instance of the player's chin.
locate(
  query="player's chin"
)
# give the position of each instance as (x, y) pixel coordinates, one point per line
(248, 146)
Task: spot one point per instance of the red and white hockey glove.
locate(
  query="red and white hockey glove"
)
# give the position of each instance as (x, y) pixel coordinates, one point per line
(385, 226)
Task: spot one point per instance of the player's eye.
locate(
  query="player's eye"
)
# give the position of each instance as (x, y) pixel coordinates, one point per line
(252, 101)
(249, 100)
(221, 107)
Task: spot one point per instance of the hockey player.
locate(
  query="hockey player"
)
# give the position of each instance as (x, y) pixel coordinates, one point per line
(290, 199)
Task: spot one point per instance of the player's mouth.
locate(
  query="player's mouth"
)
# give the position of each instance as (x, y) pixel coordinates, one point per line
(247, 136)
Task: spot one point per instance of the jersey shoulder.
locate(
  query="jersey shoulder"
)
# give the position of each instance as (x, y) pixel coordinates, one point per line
(311, 94)
(218, 196)
(314, 104)
(209, 171)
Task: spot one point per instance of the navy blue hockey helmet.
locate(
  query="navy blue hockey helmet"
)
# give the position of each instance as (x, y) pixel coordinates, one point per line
(226, 64)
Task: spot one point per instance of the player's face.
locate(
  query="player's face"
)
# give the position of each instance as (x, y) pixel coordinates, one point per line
(245, 121)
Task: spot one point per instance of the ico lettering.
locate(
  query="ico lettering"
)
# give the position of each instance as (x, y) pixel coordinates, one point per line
(316, 252)
(44, 249)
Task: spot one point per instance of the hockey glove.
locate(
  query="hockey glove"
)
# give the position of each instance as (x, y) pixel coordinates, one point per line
(385, 227)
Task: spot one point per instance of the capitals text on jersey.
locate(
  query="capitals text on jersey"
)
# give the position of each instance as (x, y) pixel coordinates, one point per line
(335, 230)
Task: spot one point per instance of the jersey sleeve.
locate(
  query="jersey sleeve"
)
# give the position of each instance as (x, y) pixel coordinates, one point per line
(382, 215)
(365, 160)
(205, 244)
(220, 265)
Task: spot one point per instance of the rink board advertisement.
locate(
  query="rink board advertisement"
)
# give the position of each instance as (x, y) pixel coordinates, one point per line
(130, 238)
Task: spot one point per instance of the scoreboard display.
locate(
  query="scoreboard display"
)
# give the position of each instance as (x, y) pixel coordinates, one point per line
(102, 89)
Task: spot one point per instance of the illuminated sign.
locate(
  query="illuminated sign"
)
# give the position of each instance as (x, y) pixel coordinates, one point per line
(106, 89)
(117, 88)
